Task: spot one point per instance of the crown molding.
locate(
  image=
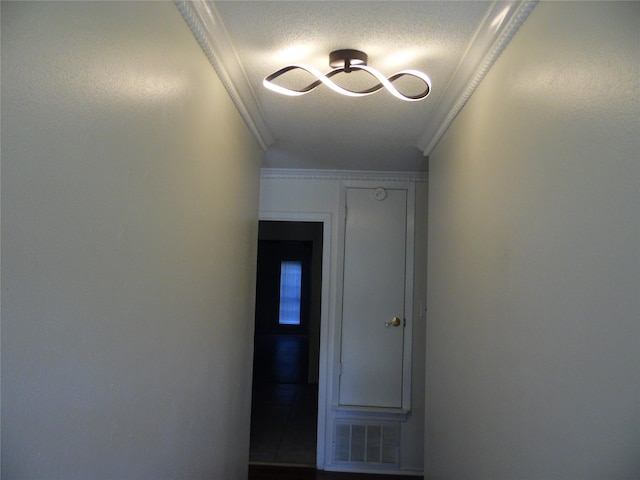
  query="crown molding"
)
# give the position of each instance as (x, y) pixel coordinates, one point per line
(312, 174)
(497, 29)
(208, 29)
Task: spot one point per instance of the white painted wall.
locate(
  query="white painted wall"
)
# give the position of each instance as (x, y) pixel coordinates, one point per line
(533, 332)
(129, 227)
(321, 196)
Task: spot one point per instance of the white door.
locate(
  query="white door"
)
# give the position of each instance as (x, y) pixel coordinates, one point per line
(374, 294)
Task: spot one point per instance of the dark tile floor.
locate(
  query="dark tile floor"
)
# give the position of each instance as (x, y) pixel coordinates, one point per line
(257, 472)
(281, 358)
(284, 408)
(284, 415)
(284, 424)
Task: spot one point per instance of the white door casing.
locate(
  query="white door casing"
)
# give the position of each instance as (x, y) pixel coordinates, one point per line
(325, 218)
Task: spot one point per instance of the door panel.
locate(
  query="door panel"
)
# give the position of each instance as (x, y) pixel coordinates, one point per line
(374, 293)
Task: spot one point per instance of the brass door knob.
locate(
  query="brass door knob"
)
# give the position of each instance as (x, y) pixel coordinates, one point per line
(395, 322)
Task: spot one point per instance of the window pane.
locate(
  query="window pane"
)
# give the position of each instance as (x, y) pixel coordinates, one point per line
(290, 288)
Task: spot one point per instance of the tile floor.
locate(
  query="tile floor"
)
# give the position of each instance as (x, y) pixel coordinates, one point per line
(284, 415)
(283, 424)
(281, 359)
(284, 408)
(259, 472)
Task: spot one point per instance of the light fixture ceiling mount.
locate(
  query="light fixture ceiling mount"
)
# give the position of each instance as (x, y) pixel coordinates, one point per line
(347, 57)
(347, 61)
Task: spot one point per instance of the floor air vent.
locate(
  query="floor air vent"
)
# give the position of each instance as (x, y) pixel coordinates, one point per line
(366, 443)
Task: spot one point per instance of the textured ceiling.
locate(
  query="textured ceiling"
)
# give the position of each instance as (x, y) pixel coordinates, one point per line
(324, 130)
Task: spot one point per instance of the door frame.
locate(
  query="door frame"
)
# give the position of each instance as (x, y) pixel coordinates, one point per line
(325, 219)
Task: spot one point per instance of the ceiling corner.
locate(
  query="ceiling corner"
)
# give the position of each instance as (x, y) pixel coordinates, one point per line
(210, 32)
(493, 35)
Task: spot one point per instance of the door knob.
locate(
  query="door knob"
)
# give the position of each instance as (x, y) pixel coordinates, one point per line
(395, 322)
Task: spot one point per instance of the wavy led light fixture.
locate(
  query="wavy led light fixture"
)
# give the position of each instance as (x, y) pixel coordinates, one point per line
(346, 61)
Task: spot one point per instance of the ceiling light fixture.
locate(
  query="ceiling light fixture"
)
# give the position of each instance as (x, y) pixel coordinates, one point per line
(347, 61)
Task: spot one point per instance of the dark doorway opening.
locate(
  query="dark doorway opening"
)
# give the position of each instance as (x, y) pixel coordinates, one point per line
(284, 409)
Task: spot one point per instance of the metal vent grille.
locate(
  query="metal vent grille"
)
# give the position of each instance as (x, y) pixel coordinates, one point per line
(362, 442)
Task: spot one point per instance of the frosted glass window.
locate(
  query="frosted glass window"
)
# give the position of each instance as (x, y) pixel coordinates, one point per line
(290, 289)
